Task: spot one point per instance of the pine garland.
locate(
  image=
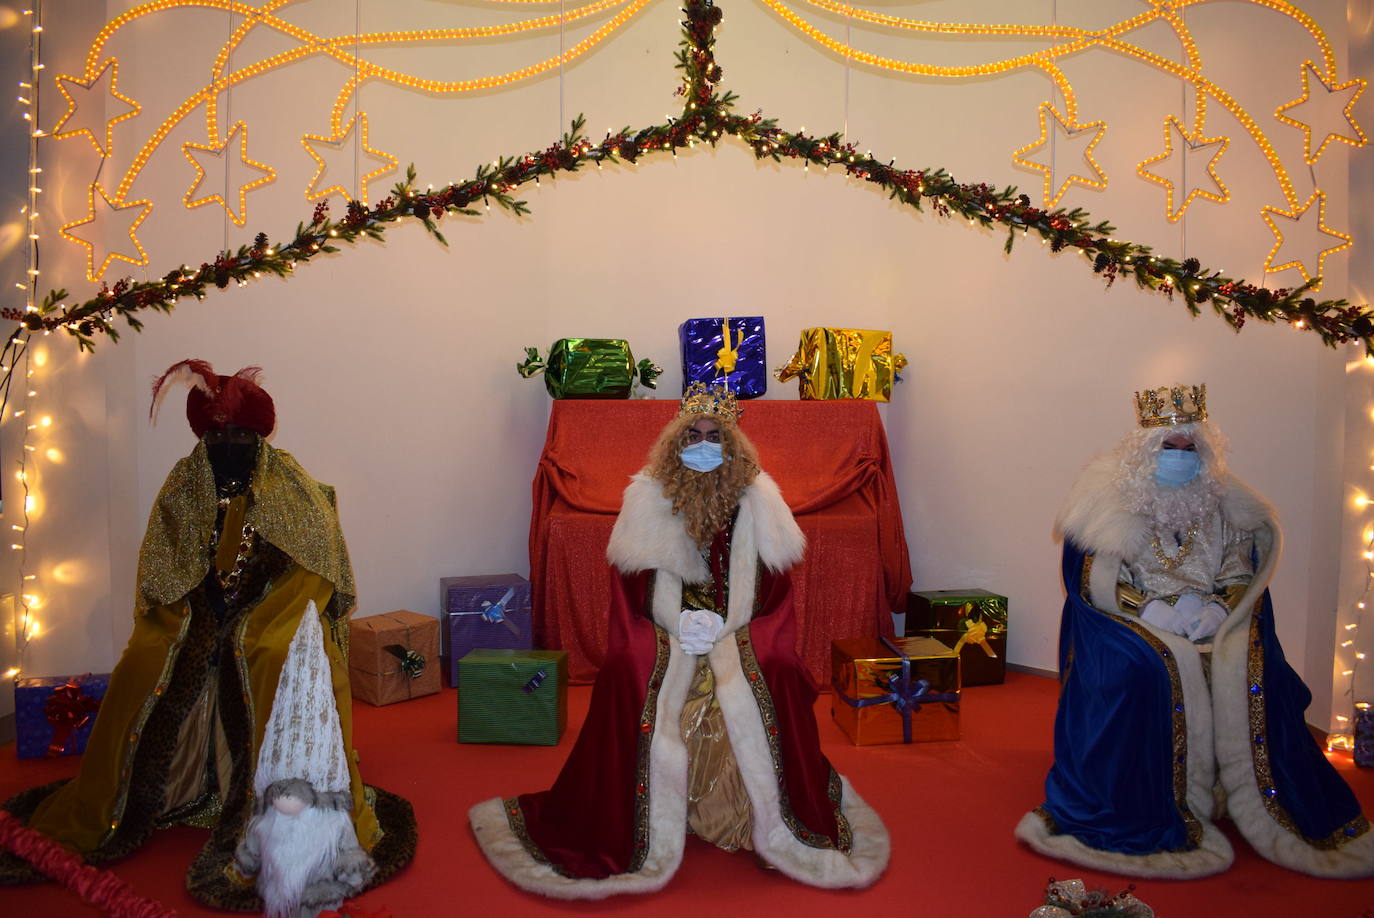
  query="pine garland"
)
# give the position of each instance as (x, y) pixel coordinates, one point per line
(707, 117)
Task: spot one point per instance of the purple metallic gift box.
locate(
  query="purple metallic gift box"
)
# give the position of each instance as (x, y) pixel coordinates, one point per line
(1364, 735)
(741, 363)
(487, 611)
(62, 727)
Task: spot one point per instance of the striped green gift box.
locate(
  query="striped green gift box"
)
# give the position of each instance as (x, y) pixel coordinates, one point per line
(513, 696)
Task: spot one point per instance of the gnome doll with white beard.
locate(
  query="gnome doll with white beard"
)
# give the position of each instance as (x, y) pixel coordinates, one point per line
(301, 842)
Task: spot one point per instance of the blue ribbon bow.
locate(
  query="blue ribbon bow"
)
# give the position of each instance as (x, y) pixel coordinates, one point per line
(903, 693)
(495, 612)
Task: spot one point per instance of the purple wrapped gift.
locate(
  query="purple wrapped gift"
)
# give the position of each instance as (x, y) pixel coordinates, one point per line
(1364, 735)
(488, 611)
(54, 714)
(729, 349)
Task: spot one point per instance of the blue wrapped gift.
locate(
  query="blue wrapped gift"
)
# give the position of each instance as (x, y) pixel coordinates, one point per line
(54, 714)
(490, 611)
(1364, 735)
(729, 349)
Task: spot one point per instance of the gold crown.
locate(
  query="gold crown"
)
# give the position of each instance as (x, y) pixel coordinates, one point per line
(1167, 406)
(710, 401)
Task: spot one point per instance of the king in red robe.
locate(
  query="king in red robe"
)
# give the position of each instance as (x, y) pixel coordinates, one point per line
(701, 718)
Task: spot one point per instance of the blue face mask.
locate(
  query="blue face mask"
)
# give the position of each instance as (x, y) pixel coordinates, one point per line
(702, 457)
(1177, 467)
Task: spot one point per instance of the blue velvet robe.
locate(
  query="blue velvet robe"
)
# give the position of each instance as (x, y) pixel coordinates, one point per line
(1119, 782)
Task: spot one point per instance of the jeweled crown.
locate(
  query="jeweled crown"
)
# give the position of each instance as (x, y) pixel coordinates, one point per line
(710, 401)
(1167, 406)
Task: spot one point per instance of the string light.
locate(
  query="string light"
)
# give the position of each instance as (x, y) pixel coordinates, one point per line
(1309, 156)
(29, 597)
(1069, 40)
(240, 216)
(1297, 214)
(311, 44)
(1192, 141)
(97, 238)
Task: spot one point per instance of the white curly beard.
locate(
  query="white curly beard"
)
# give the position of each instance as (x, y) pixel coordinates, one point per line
(1171, 508)
(298, 851)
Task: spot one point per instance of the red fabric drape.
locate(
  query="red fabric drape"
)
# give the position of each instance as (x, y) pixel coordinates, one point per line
(829, 458)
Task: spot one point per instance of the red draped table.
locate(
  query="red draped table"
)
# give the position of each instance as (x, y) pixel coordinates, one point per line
(829, 458)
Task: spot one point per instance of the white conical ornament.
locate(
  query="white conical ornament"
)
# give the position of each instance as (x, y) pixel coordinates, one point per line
(300, 842)
(303, 738)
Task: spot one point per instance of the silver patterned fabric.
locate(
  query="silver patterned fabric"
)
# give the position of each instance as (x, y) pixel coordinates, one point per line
(1219, 556)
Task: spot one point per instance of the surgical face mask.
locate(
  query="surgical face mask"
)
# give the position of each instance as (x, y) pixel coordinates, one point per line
(1177, 467)
(702, 457)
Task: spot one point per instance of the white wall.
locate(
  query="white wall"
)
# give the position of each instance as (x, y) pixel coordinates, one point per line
(392, 366)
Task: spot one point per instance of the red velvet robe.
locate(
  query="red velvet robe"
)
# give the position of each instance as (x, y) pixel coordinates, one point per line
(614, 820)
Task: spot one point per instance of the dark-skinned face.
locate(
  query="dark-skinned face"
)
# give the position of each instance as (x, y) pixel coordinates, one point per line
(233, 453)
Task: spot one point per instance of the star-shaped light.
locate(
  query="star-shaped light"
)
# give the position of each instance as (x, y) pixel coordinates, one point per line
(105, 221)
(1325, 114)
(215, 170)
(86, 103)
(339, 151)
(1302, 225)
(1196, 149)
(1073, 134)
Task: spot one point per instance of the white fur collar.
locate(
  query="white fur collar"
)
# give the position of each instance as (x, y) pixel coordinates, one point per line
(1096, 519)
(647, 536)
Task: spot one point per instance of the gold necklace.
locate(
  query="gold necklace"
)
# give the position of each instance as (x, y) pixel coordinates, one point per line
(1171, 562)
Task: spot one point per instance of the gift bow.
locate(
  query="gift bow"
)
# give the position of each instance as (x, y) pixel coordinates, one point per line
(902, 693)
(977, 633)
(495, 612)
(68, 709)
(412, 662)
(728, 354)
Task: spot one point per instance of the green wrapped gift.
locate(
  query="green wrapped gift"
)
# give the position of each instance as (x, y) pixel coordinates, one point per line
(589, 368)
(973, 622)
(513, 696)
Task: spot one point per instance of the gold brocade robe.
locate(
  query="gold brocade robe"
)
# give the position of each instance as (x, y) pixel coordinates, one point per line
(179, 730)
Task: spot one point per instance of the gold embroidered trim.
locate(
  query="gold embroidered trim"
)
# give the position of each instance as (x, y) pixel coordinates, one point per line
(647, 719)
(146, 711)
(769, 716)
(1050, 825)
(1259, 752)
(1178, 719)
(515, 816)
(1170, 562)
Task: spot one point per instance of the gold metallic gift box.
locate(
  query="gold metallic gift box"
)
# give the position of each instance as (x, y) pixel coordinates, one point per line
(834, 363)
(864, 669)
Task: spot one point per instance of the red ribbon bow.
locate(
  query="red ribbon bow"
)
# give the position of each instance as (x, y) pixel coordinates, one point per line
(68, 709)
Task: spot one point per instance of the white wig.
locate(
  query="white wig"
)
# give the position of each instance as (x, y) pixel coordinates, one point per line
(1137, 457)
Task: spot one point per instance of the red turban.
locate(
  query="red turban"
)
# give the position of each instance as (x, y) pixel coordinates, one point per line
(215, 402)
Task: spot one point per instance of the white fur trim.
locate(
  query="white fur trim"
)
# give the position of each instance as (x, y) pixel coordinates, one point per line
(776, 536)
(1245, 805)
(647, 535)
(773, 840)
(1212, 856)
(667, 812)
(1096, 519)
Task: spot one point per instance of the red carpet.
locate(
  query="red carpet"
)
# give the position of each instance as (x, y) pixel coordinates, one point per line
(949, 806)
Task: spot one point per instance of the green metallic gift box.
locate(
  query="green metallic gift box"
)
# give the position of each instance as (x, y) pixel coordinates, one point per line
(513, 696)
(589, 368)
(973, 622)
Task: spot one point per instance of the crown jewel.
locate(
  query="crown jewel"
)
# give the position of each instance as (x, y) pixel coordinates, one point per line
(710, 401)
(1167, 406)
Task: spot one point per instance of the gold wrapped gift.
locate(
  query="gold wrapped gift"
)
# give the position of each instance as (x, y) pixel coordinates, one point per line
(875, 702)
(844, 363)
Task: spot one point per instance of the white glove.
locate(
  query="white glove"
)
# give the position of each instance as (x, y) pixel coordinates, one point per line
(697, 630)
(1210, 618)
(1176, 619)
(1188, 612)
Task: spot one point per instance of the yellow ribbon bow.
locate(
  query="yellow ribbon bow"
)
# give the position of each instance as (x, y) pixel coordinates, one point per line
(729, 351)
(977, 633)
